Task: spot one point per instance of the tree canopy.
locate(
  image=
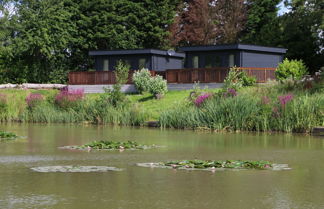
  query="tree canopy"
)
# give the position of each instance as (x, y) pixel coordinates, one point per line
(42, 40)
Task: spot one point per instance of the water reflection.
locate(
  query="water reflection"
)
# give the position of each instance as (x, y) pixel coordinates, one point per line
(141, 188)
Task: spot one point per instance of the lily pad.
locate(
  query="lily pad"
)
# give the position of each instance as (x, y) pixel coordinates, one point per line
(75, 169)
(4, 136)
(111, 145)
(209, 165)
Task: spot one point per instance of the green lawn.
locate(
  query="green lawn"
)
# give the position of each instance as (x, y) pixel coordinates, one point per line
(170, 100)
(16, 99)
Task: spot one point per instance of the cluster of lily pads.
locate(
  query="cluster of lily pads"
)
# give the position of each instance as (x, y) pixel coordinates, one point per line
(132, 145)
(7, 135)
(203, 164)
(210, 165)
(111, 145)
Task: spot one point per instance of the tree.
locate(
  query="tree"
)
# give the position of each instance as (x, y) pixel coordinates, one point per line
(201, 22)
(303, 32)
(52, 37)
(39, 42)
(262, 23)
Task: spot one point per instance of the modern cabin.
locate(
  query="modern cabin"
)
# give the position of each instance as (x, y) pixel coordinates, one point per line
(153, 59)
(240, 55)
(205, 64)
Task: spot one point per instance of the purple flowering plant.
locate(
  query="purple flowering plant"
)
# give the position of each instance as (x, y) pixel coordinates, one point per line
(230, 93)
(284, 99)
(69, 98)
(34, 99)
(202, 98)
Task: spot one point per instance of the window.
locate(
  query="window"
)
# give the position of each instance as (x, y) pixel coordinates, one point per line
(105, 66)
(231, 61)
(213, 61)
(195, 62)
(141, 63)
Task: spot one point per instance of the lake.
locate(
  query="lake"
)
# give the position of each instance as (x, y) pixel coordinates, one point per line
(147, 188)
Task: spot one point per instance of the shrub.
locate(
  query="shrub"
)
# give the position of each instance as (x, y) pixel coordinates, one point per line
(34, 99)
(236, 79)
(141, 80)
(121, 72)
(69, 98)
(294, 69)
(114, 96)
(158, 86)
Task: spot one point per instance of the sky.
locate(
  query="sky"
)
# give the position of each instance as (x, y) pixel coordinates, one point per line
(283, 9)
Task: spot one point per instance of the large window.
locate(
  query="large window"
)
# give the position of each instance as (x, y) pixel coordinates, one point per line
(213, 60)
(231, 61)
(142, 63)
(195, 62)
(105, 66)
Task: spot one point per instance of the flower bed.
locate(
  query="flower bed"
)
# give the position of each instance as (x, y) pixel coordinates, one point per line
(217, 165)
(111, 145)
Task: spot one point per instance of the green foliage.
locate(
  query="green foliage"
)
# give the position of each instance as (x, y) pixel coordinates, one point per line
(114, 96)
(259, 110)
(237, 79)
(141, 80)
(261, 25)
(7, 135)
(158, 86)
(43, 40)
(210, 164)
(112, 145)
(121, 72)
(301, 32)
(293, 69)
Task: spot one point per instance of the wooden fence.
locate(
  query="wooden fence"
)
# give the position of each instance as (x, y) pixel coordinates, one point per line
(203, 75)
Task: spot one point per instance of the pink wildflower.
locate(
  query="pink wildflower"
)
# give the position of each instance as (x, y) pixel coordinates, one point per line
(66, 97)
(230, 93)
(283, 100)
(33, 99)
(201, 99)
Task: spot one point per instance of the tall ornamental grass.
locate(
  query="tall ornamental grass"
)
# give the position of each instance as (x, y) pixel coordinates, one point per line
(249, 113)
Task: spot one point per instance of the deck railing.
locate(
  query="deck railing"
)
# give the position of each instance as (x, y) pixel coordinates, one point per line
(215, 75)
(97, 77)
(203, 75)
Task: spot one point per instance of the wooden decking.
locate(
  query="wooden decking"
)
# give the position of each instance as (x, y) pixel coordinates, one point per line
(202, 75)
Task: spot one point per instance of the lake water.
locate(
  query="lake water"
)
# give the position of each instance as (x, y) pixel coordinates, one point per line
(146, 188)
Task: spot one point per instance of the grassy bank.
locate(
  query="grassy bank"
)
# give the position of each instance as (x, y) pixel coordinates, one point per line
(263, 108)
(140, 108)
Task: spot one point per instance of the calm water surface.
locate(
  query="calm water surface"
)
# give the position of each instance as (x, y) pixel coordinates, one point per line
(145, 188)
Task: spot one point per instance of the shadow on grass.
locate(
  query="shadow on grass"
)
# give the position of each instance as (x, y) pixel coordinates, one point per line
(146, 99)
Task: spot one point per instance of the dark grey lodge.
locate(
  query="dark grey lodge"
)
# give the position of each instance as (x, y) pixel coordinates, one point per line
(205, 64)
(153, 59)
(240, 55)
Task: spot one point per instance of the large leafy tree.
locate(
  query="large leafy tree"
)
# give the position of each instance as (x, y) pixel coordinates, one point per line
(303, 32)
(262, 23)
(39, 45)
(201, 22)
(51, 37)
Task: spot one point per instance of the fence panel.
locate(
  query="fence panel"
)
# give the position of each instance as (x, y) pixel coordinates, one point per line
(203, 75)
